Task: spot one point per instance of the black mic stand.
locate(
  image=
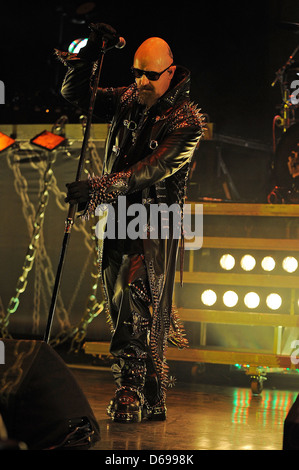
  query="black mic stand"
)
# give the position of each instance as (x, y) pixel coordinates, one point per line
(72, 209)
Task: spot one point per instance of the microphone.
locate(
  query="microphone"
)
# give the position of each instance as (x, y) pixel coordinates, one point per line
(121, 42)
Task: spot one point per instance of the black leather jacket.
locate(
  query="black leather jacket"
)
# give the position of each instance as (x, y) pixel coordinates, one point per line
(166, 141)
(152, 154)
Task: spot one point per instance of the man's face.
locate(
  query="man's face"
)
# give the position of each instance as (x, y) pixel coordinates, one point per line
(149, 90)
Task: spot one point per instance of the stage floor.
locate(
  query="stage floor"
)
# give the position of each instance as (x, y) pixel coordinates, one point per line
(200, 417)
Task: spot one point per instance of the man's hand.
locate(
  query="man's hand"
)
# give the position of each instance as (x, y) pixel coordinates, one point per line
(77, 192)
(91, 51)
(102, 30)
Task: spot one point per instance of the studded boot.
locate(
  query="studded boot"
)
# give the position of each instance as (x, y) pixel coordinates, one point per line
(129, 374)
(154, 405)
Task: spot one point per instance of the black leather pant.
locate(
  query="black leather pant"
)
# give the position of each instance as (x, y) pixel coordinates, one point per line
(129, 300)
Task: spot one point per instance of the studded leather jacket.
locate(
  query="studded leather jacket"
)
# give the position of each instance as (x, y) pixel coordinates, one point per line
(147, 158)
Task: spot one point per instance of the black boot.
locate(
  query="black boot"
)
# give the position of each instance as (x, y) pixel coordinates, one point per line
(154, 405)
(128, 403)
(126, 406)
(137, 396)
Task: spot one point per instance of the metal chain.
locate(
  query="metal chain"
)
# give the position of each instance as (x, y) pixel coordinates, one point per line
(4, 332)
(35, 223)
(13, 374)
(93, 164)
(37, 294)
(36, 250)
(93, 307)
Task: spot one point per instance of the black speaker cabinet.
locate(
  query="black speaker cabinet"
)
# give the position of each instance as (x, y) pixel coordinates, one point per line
(291, 428)
(41, 402)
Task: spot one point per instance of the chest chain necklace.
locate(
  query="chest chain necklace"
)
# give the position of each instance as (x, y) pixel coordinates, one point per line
(134, 127)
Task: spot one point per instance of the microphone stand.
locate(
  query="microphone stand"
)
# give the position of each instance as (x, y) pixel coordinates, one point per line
(72, 209)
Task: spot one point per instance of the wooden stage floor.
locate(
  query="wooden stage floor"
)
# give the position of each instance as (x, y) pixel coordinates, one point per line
(200, 417)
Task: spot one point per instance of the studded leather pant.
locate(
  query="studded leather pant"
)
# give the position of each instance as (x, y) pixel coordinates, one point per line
(129, 300)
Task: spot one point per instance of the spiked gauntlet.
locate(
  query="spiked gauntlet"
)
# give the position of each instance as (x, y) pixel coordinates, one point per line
(106, 189)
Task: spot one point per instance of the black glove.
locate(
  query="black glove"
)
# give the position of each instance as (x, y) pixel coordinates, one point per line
(78, 192)
(99, 31)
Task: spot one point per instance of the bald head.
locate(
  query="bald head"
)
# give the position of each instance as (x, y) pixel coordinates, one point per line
(154, 55)
(154, 51)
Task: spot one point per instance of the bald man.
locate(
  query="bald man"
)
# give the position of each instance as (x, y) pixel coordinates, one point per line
(154, 131)
(153, 54)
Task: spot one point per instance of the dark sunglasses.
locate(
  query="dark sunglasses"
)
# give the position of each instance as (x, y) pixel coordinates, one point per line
(152, 76)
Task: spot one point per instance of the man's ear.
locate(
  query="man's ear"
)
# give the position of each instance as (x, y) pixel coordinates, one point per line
(171, 71)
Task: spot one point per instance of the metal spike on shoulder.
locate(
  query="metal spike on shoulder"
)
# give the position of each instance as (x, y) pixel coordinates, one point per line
(187, 115)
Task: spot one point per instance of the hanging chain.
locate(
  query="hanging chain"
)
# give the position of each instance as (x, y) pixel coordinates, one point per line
(93, 307)
(35, 224)
(36, 251)
(13, 375)
(3, 331)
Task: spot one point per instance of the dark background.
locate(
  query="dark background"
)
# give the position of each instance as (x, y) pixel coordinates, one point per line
(233, 50)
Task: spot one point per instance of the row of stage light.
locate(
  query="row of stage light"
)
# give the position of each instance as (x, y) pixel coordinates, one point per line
(251, 300)
(268, 263)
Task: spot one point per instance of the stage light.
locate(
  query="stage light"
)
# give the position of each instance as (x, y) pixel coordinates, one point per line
(273, 301)
(5, 142)
(268, 263)
(290, 264)
(248, 262)
(47, 140)
(76, 45)
(208, 297)
(227, 262)
(230, 298)
(251, 300)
